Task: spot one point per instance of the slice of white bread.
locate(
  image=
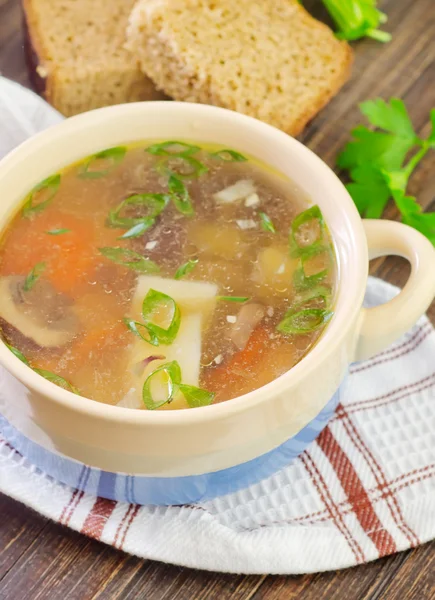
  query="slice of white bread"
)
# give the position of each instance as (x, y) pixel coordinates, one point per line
(266, 58)
(75, 48)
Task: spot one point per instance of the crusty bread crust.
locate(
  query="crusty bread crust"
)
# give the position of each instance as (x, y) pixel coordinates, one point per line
(201, 51)
(74, 82)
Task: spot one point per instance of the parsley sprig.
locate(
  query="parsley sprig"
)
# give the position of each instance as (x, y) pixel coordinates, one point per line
(357, 18)
(380, 162)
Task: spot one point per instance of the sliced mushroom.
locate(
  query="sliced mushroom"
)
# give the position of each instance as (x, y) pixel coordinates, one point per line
(250, 315)
(41, 314)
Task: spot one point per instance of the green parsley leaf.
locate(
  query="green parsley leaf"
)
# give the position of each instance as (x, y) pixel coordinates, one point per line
(380, 163)
(392, 116)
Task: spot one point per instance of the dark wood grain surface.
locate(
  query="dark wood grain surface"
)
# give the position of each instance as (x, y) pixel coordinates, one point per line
(42, 560)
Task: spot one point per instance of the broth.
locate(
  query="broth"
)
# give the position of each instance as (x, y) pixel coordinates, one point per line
(164, 275)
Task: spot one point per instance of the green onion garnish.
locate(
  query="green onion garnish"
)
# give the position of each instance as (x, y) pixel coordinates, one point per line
(196, 396)
(173, 149)
(173, 375)
(180, 196)
(186, 268)
(135, 327)
(130, 259)
(313, 213)
(57, 231)
(239, 299)
(266, 223)
(303, 282)
(51, 185)
(153, 302)
(135, 231)
(184, 167)
(229, 156)
(318, 292)
(33, 276)
(304, 321)
(154, 203)
(18, 354)
(112, 156)
(58, 380)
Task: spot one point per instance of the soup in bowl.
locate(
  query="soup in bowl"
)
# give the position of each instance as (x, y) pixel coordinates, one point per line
(165, 275)
(181, 293)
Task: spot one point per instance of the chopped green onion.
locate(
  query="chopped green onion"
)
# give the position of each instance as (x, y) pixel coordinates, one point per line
(135, 231)
(155, 203)
(113, 155)
(303, 282)
(195, 396)
(173, 149)
(173, 373)
(57, 231)
(184, 167)
(313, 213)
(229, 156)
(153, 301)
(18, 354)
(266, 223)
(58, 380)
(130, 259)
(186, 268)
(33, 276)
(134, 326)
(51, 184)
(304, 321)
(180, 196)
(239, 299)
(314, 293)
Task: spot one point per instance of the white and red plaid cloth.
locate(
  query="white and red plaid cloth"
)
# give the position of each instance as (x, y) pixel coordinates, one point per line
(364, 489)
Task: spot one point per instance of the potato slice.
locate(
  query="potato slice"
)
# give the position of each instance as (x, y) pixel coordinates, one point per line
(217, 240)
(273, 271)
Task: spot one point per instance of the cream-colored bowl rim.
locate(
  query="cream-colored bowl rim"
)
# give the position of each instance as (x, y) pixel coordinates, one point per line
(350, 291)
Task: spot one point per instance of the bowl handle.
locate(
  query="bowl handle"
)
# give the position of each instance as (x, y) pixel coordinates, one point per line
(383, 324)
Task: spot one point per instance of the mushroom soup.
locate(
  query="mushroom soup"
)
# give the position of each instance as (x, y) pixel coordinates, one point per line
(165, 276)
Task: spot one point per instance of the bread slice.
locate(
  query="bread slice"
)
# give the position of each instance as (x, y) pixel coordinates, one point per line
(266, 58)
(76, 49)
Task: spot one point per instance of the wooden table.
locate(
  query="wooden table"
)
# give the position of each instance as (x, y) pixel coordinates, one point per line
(42, 560)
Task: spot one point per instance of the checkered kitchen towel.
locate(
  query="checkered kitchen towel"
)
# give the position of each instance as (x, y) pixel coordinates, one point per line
(364, 489)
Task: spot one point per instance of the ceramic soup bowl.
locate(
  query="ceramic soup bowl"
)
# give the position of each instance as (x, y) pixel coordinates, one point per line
(172, 457)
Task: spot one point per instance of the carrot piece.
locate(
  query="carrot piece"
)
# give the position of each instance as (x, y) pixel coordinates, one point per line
(252, 352)
(234, 377)
(95, 339)
(70, 258)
